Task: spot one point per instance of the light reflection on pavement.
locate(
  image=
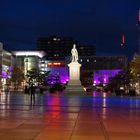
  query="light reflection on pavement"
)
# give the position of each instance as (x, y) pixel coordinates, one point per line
(56, 117)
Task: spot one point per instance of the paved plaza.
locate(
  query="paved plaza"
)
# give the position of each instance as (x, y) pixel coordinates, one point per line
(58, 117)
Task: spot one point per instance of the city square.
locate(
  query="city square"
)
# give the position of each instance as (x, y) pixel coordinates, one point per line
(60, 117)
(70, 70)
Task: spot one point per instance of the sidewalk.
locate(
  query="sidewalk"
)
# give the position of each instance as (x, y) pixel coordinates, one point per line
(69, 118)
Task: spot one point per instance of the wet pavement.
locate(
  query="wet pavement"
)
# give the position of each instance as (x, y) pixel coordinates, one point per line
(58, 117)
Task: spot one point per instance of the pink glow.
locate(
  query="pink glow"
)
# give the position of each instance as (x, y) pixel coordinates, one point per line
(123, 39)
(139, 16)
(102, 76)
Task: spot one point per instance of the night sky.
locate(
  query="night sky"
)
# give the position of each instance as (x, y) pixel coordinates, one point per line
(92, 22)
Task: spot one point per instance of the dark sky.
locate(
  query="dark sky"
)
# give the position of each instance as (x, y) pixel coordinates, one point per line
(95, 22)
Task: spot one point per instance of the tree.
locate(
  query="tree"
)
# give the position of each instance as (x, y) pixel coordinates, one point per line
(36, 76)
(135, 66)
(135, 71)
(122, 79)
(17, 76)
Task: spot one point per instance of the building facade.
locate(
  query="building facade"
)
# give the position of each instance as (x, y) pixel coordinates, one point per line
(57, 69)
(27, 60)
(98, 69)
(57, 48)
(6, 62)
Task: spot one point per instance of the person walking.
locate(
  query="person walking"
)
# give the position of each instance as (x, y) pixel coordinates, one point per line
(32, 92)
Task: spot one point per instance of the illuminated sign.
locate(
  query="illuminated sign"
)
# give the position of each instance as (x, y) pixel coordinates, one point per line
(56, 64)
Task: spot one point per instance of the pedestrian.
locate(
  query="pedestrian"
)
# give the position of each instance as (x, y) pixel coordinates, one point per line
(26, 90)
(32, 92)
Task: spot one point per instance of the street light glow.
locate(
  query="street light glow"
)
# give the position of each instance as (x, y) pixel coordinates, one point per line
(29, 53)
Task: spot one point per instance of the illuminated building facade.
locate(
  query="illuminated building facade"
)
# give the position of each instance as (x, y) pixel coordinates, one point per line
(27, 60)
(94, 70)
(57, 49)
(102, 76)
(56, 68)
(100, 68)
(5, 64)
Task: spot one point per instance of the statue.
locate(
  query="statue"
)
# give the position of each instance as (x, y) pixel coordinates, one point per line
(74, 54)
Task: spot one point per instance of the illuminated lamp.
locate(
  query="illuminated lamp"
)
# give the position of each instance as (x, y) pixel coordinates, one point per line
(29, 53)
(105, 80)
(94, 84)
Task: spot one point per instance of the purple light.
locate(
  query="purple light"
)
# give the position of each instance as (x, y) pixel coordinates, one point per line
(102, 76)
(95, 82)
(63, 82)
(62, 72)
(104, 80)
(6, 71)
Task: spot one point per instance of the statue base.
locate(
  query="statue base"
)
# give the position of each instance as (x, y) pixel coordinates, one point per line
(74, 88)
(74, 83)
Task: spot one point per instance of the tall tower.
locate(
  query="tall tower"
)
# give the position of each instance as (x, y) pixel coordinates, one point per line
(138, 26)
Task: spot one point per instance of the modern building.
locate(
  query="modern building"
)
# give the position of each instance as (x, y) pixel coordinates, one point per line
(103, 62)
(5, 65)
(27, 60)
(97, 68)
(56, 68)
(57, 48)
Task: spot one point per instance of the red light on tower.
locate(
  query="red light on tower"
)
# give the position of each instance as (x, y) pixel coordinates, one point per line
(123, 41)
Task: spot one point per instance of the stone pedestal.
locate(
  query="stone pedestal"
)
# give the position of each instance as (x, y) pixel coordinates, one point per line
(74, 70)
(74, 84)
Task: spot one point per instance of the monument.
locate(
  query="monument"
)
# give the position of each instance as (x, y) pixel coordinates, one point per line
(74, 84)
